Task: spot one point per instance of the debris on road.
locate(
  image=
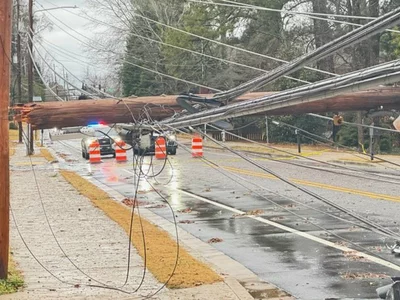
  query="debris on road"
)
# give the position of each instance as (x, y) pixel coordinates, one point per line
(156, 206)
(215, 240)
(128, 202)
(186, 222)
(255, 212)
(357, 275)
(278, 218)
(341, 243)
(185, 211)
(354, 255)
(376, 248)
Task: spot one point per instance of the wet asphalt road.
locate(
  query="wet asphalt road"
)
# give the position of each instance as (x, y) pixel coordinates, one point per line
(305, 250)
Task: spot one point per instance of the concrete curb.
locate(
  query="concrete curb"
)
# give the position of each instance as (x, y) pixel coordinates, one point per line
(236, 276)
(349, 162)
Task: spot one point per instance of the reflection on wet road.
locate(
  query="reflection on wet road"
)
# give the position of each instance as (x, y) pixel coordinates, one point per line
(281, 244)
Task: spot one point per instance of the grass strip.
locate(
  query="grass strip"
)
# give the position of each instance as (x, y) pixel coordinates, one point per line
(13, 138)
(14, 281)
(46, 154)
(161, 247)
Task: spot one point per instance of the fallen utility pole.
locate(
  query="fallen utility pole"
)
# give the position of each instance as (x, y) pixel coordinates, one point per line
(81, 113)
(5, 61)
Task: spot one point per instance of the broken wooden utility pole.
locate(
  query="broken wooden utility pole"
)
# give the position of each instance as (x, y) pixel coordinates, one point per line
(5, 62)
(81, 113)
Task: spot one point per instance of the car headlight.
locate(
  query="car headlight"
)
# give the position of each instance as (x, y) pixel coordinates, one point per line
(88, 142)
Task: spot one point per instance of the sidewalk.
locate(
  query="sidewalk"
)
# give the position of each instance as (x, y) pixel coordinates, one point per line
(94, 243)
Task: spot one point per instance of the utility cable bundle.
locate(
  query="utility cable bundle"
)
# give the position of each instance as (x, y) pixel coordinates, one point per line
(360, 80)
(388, 20)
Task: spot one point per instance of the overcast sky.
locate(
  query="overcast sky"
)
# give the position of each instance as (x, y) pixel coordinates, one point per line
(63, 37)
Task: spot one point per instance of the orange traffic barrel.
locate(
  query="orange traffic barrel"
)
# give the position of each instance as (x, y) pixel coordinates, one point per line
(94, 152)
(197, 146)
(160, 148)
(396, 123)
(120, 151)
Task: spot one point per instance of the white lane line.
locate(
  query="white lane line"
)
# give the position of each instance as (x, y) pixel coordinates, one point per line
(297, 232)
(127, 171)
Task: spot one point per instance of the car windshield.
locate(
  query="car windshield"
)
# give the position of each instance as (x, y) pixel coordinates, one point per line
(104, 141)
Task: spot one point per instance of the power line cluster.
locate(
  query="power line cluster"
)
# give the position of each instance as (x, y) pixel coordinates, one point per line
(383, 73)
(139, 175)
(365, 223)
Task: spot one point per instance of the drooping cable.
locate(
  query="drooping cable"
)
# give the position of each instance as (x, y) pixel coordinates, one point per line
(239, 180)
(131, 63)
(227, 61)
(382, 178)
(310, 193)
(352, 37)
(355, 81)
(309, 15)
(41, 76)
(338, 144)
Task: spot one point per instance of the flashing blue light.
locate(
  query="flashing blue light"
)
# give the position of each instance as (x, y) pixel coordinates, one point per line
(93, 124)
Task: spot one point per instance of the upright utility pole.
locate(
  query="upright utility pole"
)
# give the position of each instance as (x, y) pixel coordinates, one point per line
(65, 87)
(67, 90)
(30, 72)
(266, 130)
(19, 75)
(5, 61)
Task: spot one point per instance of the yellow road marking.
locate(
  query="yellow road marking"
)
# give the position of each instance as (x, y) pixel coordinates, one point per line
(319, 185)
(160, 245)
